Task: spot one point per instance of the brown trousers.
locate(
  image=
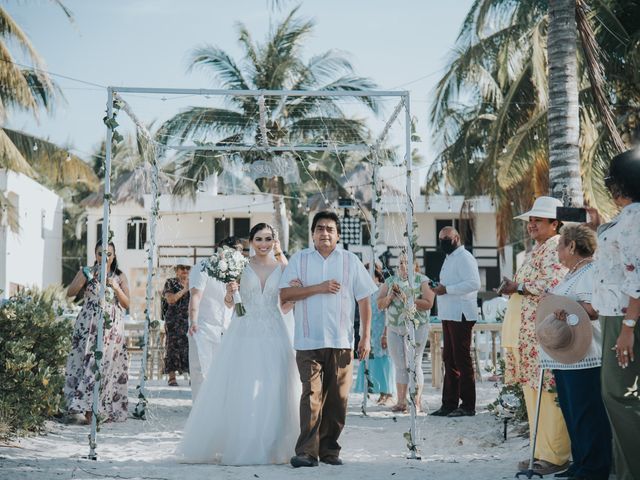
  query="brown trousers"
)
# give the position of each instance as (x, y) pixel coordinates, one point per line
(326, 376)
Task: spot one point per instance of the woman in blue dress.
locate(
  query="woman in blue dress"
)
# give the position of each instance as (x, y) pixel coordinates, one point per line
(381, 372)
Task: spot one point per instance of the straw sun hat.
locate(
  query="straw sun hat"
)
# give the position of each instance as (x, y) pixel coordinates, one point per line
(564, 341)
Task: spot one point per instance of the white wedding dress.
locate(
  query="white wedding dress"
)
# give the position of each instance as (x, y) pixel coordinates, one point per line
(247, 410)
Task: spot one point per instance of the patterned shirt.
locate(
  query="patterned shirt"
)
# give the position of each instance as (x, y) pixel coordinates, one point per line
(617, 263)
(578, 286)
(395, 317)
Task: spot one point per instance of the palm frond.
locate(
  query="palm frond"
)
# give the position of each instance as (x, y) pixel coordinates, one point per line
(197, 122)
(56, 167)
(11, 158)
(218, 62)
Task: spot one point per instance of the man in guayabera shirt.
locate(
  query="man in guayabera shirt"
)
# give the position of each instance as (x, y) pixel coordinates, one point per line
(325, 283)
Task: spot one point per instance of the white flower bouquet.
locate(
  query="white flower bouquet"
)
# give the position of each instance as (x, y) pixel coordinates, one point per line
(226, 265)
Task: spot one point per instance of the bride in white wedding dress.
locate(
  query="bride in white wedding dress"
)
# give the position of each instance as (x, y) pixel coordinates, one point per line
(247, 410)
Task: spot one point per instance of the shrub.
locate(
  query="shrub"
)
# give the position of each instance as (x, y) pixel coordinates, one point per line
(34, 344)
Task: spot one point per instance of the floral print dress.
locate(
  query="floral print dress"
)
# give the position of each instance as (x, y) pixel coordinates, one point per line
(176, 324)
(540, 272)
(80, 377)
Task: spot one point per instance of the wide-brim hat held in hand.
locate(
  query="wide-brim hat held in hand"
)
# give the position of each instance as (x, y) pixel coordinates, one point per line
(543, 207)
(566, 337)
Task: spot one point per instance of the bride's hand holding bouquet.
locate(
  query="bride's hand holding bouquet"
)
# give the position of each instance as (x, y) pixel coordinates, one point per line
(226, 266)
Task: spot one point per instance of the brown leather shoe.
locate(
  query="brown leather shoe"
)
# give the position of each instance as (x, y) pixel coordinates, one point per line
(331, 460)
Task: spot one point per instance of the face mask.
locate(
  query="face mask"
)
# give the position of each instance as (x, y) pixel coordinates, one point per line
(447, 245)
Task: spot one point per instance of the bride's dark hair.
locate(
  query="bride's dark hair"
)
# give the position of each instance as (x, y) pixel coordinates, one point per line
(260, 226)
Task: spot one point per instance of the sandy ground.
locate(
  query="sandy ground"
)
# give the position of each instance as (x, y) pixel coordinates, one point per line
(373, 446)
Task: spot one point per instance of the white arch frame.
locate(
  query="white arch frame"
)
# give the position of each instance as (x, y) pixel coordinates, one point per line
(112, 95)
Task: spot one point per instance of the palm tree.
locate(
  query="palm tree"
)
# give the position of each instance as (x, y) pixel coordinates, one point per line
(275, 64)
(491, 107)
(30, 89)
(564, 125)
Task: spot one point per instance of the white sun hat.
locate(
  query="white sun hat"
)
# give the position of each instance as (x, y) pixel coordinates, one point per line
(543, 207)
(184, 261)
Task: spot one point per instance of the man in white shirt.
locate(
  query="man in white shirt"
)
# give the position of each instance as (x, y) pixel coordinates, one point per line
(208, 319)
(329, 280)
(458, 311)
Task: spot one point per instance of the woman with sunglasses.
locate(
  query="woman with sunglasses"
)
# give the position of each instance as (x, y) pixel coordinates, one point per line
(616, 297)
(176, 321)
(80, 376)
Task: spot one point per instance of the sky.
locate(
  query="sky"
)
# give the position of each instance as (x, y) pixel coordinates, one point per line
(400, 44)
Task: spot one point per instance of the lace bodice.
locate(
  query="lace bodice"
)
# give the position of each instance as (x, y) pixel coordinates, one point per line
(254, 298)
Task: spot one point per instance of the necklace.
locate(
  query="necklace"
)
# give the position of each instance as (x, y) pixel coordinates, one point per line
(575, 267)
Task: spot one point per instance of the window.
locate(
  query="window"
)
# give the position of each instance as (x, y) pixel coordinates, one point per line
(223, 228)
(99, 231)
(136, 233)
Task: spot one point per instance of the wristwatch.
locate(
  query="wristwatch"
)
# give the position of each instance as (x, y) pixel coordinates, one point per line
(629, 322)
(520, 288)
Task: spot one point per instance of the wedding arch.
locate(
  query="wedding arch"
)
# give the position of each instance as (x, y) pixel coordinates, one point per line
(152, 148)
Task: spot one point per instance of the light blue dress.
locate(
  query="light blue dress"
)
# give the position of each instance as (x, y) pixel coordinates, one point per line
(381, 373)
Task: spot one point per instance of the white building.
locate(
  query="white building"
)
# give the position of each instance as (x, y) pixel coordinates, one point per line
(191, 228)
(186, 228)
(32, 255)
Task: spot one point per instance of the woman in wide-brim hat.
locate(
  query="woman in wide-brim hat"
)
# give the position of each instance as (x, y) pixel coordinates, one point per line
(176, 321)
(616, 297)
(570, 339)
(540, 271)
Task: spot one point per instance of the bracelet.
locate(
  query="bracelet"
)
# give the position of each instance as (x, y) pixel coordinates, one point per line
(277, 254)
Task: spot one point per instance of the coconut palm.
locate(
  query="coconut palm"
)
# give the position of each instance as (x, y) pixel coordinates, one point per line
(563, 119)
(491, 107)
(275, 64)
(31, 90)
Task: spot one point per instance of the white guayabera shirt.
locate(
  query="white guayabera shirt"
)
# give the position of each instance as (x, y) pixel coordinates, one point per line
(326, 320)
(213, 315)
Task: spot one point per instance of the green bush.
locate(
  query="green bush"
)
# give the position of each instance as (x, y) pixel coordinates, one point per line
(34, 344)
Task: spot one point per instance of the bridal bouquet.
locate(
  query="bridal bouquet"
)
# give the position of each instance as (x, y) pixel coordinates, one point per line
(226, 265)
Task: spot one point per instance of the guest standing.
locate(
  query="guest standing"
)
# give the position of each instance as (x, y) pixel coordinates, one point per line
(176, 321)
(458, 311)
(79, 375)
(616, 297)
(393, 298)
(578, 383)
(381, 373)
(208, 318)
(540, 272)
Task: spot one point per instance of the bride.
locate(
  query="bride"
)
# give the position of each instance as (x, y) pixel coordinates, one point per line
(247, 409)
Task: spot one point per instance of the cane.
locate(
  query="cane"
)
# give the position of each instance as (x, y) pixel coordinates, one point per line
(529, 472)
(365, 387)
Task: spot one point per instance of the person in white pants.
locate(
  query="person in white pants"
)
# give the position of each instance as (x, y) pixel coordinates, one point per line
(208, 319)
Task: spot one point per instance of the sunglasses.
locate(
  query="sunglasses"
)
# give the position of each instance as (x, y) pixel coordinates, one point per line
(184, 267)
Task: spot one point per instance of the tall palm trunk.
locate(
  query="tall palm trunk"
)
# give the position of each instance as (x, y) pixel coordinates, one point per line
(564, 125)
(280, 220)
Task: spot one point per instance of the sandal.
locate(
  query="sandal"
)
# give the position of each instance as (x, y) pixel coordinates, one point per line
(543, 467)
(399, 408)
(173, 382)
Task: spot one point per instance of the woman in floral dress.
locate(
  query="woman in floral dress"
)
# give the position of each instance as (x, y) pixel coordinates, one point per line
(80, 376)
(176, 321)
(540, 272)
